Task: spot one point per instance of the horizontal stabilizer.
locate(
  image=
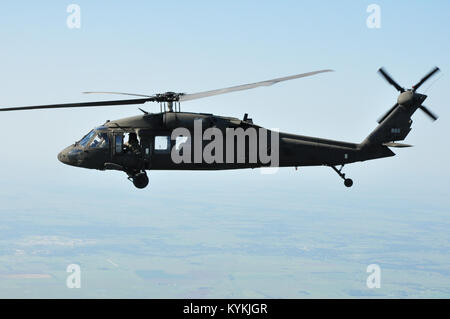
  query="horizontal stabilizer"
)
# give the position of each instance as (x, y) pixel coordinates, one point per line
(393, 144)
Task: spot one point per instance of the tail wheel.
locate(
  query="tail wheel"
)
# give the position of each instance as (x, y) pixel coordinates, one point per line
(348, 182)
(140, 180)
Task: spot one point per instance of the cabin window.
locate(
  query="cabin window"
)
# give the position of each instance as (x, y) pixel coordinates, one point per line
(119, 143)
(162, 143)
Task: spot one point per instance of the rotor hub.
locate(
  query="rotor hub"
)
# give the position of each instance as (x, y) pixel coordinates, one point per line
(168, 97)
(410, 97)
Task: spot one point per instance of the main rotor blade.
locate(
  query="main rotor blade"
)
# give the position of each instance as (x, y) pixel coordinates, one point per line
(391, 80)
(381, 119)
(426, 77)
(85, 104)
(428, 112)
(187, 97)
(121, 93)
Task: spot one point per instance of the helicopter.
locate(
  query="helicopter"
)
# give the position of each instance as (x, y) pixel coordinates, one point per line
(176, 140)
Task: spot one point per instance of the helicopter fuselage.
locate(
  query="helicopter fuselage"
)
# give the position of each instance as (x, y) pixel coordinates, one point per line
(161, 148)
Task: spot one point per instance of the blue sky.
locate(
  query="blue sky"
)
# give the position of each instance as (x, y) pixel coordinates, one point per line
(154, 47)
(149, 47)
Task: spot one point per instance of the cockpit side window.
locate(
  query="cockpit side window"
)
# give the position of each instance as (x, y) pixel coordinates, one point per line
(100, 141)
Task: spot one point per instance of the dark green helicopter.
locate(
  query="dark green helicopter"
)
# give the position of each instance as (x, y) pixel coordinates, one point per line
(175, 140)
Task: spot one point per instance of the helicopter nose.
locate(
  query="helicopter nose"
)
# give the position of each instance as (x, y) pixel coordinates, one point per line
(63, 157)
(66, 156)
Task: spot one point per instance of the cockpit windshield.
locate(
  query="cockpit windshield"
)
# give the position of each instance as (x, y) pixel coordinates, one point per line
(96, 138)
(100, 140)
(86, 138)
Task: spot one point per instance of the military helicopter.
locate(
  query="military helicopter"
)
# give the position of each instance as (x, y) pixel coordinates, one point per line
(149, 142)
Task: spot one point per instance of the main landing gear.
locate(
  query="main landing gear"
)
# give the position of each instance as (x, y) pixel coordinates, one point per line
(139, 179)
(347, 181)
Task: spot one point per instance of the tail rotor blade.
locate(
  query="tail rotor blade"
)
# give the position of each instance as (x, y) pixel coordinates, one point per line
(425, 78)
(381, 119)
(390, 80)
(428, 112)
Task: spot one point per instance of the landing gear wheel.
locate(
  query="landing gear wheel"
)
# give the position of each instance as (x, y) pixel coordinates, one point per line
(140, 180)
(348, 182)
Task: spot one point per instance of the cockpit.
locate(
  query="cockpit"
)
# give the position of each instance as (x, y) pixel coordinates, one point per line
(97, 138)
(104, 147)
(91, 151)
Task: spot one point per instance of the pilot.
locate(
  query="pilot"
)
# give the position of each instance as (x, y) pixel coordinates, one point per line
(133, 144)
(103, 140)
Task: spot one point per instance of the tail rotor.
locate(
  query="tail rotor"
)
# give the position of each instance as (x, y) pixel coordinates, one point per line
(409, 97)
